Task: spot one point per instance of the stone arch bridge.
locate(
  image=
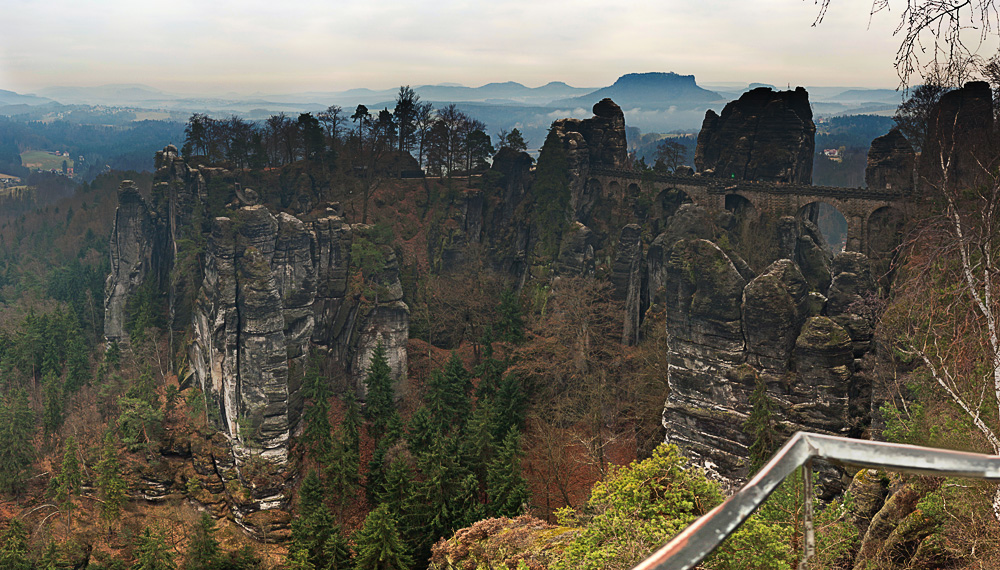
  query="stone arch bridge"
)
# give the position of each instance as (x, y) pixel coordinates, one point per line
(868, 212)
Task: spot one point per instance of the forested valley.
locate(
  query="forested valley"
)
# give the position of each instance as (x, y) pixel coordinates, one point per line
(391, 340)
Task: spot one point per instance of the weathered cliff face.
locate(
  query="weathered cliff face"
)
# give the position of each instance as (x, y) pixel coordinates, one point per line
(802, 336)
(960, 133)
(890, 163)
(136, 250)
(594, 143)
(601, 141)
(268, 288)
(765, 135)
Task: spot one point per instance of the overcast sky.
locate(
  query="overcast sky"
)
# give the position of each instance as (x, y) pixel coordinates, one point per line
(278, 46)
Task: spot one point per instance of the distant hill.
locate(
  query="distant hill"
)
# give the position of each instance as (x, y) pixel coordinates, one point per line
(506, 93)
(649, 91)
(12, 98)
(867, 96)
(113, 94)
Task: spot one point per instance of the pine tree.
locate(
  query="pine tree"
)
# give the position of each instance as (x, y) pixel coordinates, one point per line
(490, 370)
(477, 440)
(467, 504)
(52, 414)
(510, 407)
(151, 552)
(314, 527)
(110, 483)
(351, 424)
(203, 552)
(17, 426)
(760, 426)
(50, 558)
(396, 494)
(341, 471)
(505, 485)
(422, 431)
(440, 495)
(14, 548)
(448, 395)
(69, 480)
(378, 543)
(380, 408)
(77, 361)
(311, 495)
(316, 435)
(510, 320)
(336, 551)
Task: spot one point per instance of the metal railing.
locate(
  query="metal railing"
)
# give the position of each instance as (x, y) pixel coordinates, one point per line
(697, 541)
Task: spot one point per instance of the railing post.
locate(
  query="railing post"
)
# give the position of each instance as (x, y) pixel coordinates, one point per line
(809, 542)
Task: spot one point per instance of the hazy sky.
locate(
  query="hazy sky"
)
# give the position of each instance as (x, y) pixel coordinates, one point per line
(330, 45)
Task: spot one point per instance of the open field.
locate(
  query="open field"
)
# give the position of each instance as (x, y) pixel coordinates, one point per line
(42, 159)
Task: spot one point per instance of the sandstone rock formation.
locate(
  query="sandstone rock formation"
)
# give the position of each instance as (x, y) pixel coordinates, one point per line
(601, 138)
(267, 289)
(726, 330)
(960, 131)
(765, 135)
(890, 163)
(135, 257)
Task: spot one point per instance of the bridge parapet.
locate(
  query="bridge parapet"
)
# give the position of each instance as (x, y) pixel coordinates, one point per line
(723, 186)
(856, 204)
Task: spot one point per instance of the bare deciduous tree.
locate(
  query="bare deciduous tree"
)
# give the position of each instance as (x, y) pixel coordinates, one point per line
(940, 35)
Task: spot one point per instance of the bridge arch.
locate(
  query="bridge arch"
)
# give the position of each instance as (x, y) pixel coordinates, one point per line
(739, 204)
(615, 190)
(832, 224)
(665, 204)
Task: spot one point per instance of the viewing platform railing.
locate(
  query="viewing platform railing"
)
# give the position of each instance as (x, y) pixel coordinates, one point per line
(697, 541)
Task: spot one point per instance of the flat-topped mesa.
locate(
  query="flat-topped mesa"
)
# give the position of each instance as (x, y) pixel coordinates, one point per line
(765, 135)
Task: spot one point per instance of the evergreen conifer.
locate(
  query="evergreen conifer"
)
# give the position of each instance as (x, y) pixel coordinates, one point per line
(506, 486)
(380, 407)
(110, 483)
(378, 544)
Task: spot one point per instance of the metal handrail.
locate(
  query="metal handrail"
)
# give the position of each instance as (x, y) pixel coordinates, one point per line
(698, 540)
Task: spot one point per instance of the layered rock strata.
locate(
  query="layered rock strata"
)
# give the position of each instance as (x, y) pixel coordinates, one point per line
(803, 337)
(267, 289)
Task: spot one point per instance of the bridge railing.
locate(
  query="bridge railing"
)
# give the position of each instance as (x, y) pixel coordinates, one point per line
(725, 185)
(697, 541)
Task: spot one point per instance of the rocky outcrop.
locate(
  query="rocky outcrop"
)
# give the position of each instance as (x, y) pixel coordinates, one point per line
(960, 131)
(728, 330)
(268, 289)
(136, 257)
(627, 279)
(775, 305)
(765, 136)
(891, 161)
(594, 143)
(601, 139)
